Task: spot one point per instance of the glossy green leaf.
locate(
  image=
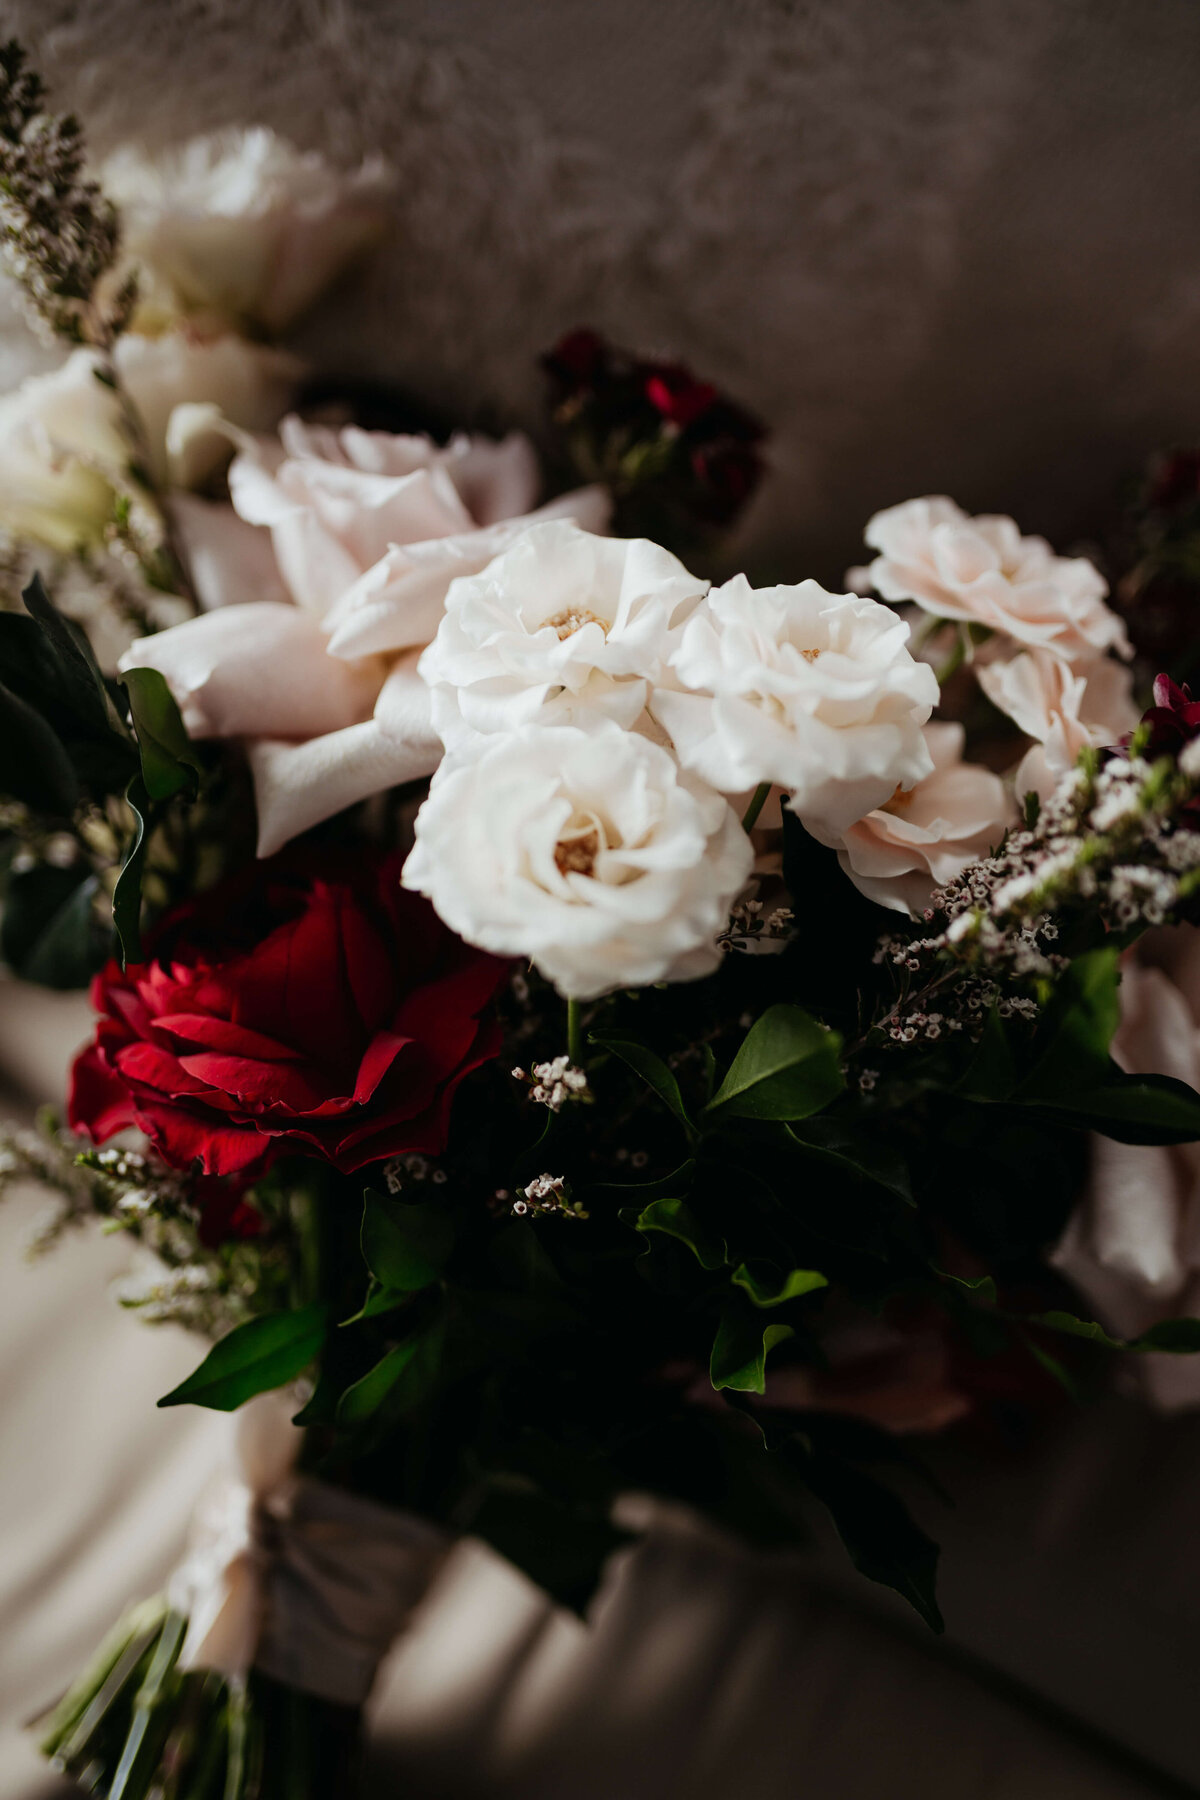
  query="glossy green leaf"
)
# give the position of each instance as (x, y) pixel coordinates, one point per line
(982, 1286)
(34, 767)
(649, 1065)
(72, 945)
(774, 1289)
(405, 1246)
(879, 1534)
(1076, 1030)
(363, 1400)
(127, 895)
(739, 1354)
(81, 685)
(847, 1149)
(1176, 1337)
(170, 764)
(787, 1067)
(254, 1358)
(403, 1378)
(674, 1218)
(1134, 1109)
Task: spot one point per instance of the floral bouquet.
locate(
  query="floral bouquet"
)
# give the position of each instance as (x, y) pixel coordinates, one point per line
(566, 1028)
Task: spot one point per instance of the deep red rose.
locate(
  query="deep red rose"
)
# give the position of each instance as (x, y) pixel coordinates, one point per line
(293, 1009)
(577, 362)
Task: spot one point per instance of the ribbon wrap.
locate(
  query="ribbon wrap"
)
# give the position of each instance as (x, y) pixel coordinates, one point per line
(307, 1582)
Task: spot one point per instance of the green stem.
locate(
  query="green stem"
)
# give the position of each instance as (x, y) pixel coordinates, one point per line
(757, 802)
(924, 631)
(575, 1032)
(954, 661)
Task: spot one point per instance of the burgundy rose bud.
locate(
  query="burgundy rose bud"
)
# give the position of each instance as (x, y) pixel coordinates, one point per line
(577, 363)
(224, 1211)
(297, 1008)
(1174, 718)
(673, 391)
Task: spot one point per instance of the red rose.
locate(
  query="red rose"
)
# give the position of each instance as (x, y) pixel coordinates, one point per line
(330, 1014)
(674, 391)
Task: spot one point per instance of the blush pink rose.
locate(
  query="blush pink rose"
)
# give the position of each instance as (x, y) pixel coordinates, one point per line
(324, 582)
(926, 835)
(1063, 706)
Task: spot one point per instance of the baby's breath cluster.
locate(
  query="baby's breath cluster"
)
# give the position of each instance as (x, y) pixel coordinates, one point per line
(1116, 843)
(548, 1194)
(553, 1083)
(752, 928)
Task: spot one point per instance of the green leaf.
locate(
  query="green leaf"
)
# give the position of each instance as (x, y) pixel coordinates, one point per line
(739, 1354)
(1076, 1030)
(878, 1532)
(82, 686)
(253, 1358)
(649, 1065)
(562, 1548)
(127, 894)
(379, 1300)
(363, 1400)
(34, 767)
(405, 1246)
(991, 1074)
(775, 1290)
(99, 749)
(675, 1219)
(847, 1150)
(170, 765)
(1176, 1337)
(49, 933)
(1134, 1109)
(786, 1068)
(981, 1285)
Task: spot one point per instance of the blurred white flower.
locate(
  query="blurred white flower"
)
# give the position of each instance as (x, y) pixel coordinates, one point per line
(1133, 1243)
(318, 672)
(189, 388)
(925, 835)
(240, 226)
(587, 851)
(815, 691)
(565, 628)
(1062, 707)
(62, 448)
(983, 572)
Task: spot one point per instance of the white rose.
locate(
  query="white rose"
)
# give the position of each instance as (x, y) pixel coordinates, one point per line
(926, 835)
(367, 531)
(1131, 1245)
(982, 571)
(587, 851)
(565, 628)
(241, 227)
(817, 692)
(189, 387)
(1062, 707)
(62, 447)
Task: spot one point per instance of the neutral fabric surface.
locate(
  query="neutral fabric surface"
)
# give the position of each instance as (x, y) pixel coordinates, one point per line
(702, 1673)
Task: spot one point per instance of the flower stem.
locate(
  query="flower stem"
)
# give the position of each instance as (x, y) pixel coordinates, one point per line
(575, 1032)
(757, 802)
(954, 661)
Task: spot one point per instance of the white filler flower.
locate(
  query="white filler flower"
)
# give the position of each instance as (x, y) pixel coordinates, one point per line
(815, 691)
(982, 571)
(565, 628)
(587, 851)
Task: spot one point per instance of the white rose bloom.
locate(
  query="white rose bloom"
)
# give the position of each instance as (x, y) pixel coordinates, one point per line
(61, 449)
(240, 226)
(320, 591)
(565, 628)
(924, 836)
(587, 851)
(817, 692)
(190, 387)
(982, 571)
(1062, 707)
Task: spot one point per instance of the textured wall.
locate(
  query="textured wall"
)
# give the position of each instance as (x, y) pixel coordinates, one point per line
(948, 244)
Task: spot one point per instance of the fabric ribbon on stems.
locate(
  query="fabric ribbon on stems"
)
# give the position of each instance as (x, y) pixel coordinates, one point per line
(307, 1582)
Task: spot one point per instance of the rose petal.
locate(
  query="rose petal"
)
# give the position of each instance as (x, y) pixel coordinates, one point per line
(298, 785)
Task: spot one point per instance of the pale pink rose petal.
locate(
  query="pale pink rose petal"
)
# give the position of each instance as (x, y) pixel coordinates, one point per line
(496, 481)
(398, 604)
(230, 562)
(1063, 707)
(298, 785)
(259, 669)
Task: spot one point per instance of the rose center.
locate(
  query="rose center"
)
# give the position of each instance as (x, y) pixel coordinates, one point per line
(810, 656)
(575, 852)
(572, 619)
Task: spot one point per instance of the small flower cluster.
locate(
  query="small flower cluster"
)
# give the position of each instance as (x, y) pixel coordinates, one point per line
(1112, 843)
(548, 1194)
(61, 234)
(751, 928)
(553, 1083)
